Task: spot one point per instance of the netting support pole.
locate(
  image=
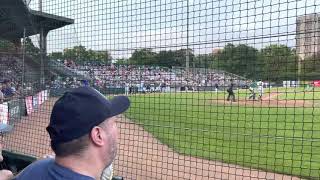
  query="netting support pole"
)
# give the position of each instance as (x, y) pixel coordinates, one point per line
(187, 51)
(23, 59)
(299, 71)
(43, 52)
(40, 5)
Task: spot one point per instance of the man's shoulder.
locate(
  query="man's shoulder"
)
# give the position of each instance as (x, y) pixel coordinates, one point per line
(35, 169)
(48, 169)
(42, 163)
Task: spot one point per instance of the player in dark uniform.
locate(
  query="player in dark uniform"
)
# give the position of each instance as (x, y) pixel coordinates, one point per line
(231, 95)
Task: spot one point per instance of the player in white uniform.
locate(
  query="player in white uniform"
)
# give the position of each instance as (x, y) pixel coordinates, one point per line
(260, 89)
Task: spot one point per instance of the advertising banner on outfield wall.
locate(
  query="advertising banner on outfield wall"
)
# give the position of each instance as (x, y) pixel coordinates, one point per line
(29, 105)
(46, 95)
(40, 97)
(14, 110)
(35, 102)
(316, 83)
(23, 107)
(4, 115)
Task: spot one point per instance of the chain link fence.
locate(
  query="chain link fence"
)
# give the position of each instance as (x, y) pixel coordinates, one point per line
(219, 89)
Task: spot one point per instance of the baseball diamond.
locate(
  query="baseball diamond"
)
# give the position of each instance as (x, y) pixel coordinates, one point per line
(169, 89)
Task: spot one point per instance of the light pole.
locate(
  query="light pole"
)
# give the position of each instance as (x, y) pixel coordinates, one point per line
(187, 51)
(42, 51)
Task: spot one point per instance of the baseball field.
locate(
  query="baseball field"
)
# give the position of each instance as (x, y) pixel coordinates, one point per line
(280, 134)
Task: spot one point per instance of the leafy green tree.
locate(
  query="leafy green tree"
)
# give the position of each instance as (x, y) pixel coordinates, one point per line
(204, 60)
(56, 55)
(143, 57)
(122, 61)
(6, 45)
(102, 56)
(165, 58)
(280, 63)
(69, 53)
(80, 55)
(31, 49)
(240, 59)
(180, 57)
(310, 68)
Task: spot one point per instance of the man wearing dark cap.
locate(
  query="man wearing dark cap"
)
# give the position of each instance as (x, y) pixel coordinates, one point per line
(4, 174)
(83, 136)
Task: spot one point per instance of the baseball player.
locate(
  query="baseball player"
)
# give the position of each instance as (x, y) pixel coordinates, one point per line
(252, 89)
(260, 89)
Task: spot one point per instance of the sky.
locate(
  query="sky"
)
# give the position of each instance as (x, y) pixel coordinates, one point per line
(122, 26)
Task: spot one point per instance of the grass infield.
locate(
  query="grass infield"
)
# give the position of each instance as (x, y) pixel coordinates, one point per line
(278, 139)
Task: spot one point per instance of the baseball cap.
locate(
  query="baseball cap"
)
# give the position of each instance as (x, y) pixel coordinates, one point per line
(5, 128)
(79, 110)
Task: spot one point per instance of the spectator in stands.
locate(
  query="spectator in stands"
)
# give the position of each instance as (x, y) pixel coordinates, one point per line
(4, 174)
(12, 87)
(83, 136)
(1, 94)
(7, 90)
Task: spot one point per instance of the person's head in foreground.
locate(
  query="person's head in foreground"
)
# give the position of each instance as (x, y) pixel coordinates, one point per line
(83, 136)
(4, 174)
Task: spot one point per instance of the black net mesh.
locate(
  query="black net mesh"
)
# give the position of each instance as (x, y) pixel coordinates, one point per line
(219, 89)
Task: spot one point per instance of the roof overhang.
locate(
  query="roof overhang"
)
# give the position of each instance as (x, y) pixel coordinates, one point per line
(15, 16)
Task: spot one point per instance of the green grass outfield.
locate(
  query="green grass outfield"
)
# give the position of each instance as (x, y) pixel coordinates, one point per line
(277, 139)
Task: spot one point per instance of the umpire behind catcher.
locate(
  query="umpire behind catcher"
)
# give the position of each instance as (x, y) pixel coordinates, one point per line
(83, 136)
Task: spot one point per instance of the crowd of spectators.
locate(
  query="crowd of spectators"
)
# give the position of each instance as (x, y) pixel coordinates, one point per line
(146, 78)
(132, 78)
(10, 73)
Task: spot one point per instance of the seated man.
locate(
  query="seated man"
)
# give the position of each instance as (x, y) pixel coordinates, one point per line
(4, 174)
(7, 90)
(83, 135)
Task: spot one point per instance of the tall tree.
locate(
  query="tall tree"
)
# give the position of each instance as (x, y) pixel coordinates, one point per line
(280, 62)
(69, 53)
(143, 57)
(204, 60)
(181, 55)
(240, 59)
(6, 45)
(310, 67)
(80, 54)
(31, 49)
(121, 61)
(56, 55)
(165, 58)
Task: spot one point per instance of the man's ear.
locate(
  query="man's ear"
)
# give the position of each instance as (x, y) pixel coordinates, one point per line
(97, 136)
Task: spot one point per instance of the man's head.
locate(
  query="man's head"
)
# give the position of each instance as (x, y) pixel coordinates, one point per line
(83, 121)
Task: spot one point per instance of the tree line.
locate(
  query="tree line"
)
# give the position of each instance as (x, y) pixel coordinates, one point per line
(81, 55)
(274, 62)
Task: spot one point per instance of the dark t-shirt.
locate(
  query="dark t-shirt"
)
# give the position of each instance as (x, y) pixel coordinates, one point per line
(7, 92)
(48, 169)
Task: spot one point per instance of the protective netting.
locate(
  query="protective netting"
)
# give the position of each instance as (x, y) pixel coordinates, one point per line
(219, 89)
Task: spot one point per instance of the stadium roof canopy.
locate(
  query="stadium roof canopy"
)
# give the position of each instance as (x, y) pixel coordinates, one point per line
(15, 15)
